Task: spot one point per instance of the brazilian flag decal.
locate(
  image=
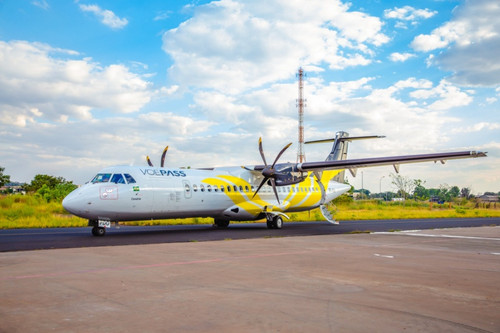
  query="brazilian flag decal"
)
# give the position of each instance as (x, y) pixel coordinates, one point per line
(136, 189)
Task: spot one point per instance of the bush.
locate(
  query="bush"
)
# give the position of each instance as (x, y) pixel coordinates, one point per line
(56, 193)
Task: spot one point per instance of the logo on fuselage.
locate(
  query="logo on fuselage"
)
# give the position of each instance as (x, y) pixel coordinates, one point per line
(163, 172)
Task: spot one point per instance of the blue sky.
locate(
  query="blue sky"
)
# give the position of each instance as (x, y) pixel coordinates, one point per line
(88, 84)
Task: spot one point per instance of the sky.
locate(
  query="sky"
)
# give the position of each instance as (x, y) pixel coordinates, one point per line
(89, 84)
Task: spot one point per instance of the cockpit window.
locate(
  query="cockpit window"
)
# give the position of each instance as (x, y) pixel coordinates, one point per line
(101, 178)
(118, 179)
(129, 178)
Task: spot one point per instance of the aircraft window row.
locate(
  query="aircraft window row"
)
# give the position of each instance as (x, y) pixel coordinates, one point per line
(116, 178)
(234, 188)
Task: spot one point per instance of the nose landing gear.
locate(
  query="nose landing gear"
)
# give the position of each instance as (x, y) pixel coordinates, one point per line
(98, 231)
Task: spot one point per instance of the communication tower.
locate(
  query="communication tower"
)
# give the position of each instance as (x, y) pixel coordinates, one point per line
(301, 103)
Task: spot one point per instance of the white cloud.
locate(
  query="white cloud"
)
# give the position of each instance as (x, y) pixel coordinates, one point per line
(31, 78)
(41, 3)
(408, 13)
(444, 96)
(233, 46)
(402, 57)
(482, 126)
(107, 16)
(472, 39)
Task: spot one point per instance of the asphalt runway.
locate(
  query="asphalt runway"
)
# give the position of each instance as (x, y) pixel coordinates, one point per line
(441, 280)
(58, 238)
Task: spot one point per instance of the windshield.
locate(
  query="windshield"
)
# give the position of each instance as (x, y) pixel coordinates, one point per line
(129, 178)
(118, 179)
(101, 178)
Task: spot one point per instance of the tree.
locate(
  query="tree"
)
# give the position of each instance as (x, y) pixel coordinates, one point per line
(4, 179)
(51, 188)
(404, 185)
(40, 180)
(465, 193)
(454, 192)
(420, 192)
(444, 193)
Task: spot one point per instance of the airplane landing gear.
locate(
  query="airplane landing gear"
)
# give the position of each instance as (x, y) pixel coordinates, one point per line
(275, 222)
(219, 223)
(98, 231)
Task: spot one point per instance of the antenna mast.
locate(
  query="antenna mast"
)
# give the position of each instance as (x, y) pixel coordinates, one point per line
(301, 103)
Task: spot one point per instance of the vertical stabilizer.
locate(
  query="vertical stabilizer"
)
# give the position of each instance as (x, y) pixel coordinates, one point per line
(339, 153)
(339, 149)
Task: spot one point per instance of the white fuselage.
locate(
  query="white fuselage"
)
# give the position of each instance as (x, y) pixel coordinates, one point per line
(140, 193)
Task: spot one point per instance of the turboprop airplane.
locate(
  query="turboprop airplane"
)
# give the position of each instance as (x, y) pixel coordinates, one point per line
(129, 193)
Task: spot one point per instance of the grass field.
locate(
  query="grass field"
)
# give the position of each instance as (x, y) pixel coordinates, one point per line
(29, 211)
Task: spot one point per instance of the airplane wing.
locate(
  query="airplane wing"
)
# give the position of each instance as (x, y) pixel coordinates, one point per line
(354, 164)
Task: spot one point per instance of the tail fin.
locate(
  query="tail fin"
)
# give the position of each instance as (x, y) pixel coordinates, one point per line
(339, 149)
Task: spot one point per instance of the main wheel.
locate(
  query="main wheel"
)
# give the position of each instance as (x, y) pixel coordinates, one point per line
(278, 222)
(219, 223)
(98, 231)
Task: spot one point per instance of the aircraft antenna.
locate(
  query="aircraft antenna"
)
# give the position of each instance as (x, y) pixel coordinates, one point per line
(301, 103)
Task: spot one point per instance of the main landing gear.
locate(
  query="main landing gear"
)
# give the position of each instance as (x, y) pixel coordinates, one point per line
(275, 222)
(221, 223)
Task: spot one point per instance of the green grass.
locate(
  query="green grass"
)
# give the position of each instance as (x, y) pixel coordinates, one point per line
(30, 211)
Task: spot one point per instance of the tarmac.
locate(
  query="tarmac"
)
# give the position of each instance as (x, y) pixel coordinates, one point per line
(442, 280)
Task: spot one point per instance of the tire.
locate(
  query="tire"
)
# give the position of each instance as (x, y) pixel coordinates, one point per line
(270, 224)
(221, 223)
(278, 222)
(98, 231)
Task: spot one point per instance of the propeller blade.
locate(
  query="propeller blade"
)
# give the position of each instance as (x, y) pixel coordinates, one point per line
(260, 185)
(261, 150)
(149, 161)
(281, 153)
(275, 191)
(163, 156)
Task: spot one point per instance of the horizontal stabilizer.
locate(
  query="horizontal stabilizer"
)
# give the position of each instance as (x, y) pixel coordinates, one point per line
(349, 139)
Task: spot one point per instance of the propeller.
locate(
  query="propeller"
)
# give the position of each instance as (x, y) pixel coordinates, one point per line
(162, 158)
(269, 172)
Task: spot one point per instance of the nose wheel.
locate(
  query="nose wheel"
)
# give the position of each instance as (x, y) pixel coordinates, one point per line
(98, 231)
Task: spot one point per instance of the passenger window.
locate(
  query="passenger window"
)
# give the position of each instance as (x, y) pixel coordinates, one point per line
(228, 188)
(222, 188)
(216, 189)
(235, 188)
(209, 188)
(101, 178)
(246, 188)
(118, 179)
(195, 188)
(241, 188)
(202, 188)
(129, 178)
(188, 189)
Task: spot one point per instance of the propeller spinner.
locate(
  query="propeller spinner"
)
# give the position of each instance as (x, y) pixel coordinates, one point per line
(269, 172)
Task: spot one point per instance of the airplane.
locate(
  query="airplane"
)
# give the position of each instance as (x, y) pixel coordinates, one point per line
(237, 193)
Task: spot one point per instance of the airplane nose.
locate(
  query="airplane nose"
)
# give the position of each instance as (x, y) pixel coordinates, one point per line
(72, 203)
